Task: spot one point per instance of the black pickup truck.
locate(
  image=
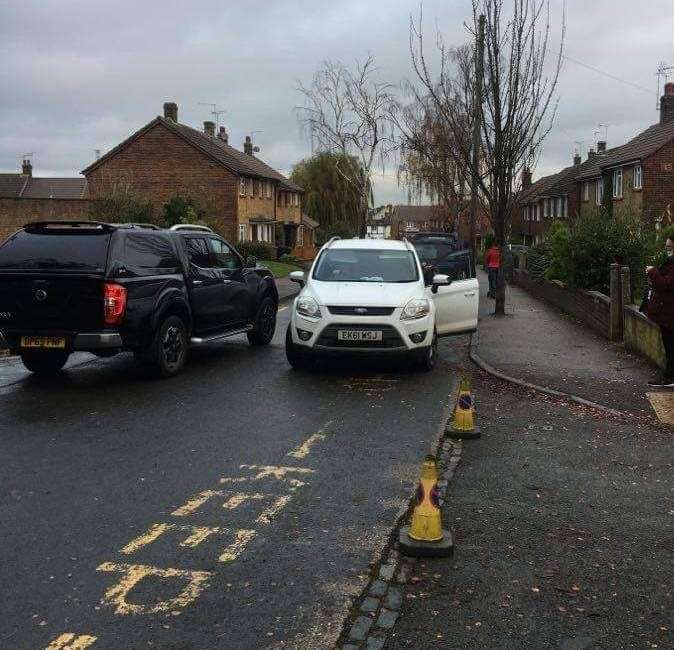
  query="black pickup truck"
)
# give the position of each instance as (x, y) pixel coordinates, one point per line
(106, 288)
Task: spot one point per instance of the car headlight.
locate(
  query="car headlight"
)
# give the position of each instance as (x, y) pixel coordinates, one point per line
(307, 306)
(416, 308)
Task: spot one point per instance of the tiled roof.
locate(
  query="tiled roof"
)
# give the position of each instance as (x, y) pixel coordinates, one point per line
(417, 213)
(309, 222)
(11, 185)
(237, 161)
(556, 184)
(20, 186)
(55, 188)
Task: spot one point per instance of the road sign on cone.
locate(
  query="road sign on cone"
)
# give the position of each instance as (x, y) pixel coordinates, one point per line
(463, 423)
(425, 537)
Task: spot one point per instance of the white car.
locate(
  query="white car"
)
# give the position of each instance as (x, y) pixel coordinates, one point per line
(370, 297)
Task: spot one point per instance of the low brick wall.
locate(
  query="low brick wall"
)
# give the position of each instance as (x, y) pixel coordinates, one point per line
(591, 307)
(643, 336)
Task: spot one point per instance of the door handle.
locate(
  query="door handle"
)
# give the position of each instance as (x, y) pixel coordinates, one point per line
(469, 294)
(226, 281)
(197, 282)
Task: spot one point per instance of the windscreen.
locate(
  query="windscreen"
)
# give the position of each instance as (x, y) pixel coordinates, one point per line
(366, 265)
(443, 255)
(55, 251)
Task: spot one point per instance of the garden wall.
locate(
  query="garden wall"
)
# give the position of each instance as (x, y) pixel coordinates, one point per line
(642, 335)
(590, 307)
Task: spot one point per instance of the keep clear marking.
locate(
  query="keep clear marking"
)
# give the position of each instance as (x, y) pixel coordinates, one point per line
(71, 641)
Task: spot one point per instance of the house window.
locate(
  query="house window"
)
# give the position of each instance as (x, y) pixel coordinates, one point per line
(538, 212)
(617, 183)
(250, 187)
(242, 187)
(586, 191)
(242, 231)
(638, 177)
(268, 189)
(599, 191)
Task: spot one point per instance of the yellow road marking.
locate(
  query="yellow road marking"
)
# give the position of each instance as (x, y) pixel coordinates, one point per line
(195, 503)
(241, 497)
(69, 641)
(146, 538)
(277, 471)
(199, 535)
(238, 546)
(283, 308)
(273, 510)
(302, 451)
(133, 574)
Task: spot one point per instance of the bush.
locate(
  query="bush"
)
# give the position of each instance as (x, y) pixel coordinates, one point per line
(179, 209)
(538, 261)
(290, 259)
(259, 249)
(560, 247)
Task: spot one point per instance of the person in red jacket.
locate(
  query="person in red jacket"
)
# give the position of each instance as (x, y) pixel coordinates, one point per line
(660, 309)
(492, 260)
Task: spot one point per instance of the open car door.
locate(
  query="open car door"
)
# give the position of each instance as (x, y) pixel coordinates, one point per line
(456, 305)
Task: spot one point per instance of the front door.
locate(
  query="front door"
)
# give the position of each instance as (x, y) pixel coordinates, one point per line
(206, 287)
(238, 297)
(456, 305)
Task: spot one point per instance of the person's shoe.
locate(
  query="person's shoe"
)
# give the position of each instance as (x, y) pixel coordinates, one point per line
(662, 381)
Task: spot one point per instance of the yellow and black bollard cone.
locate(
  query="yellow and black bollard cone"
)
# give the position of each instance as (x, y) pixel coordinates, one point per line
(463, 425)
(424, 537)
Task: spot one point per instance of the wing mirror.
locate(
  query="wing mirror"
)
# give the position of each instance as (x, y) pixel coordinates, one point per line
(251, 262)
(297, 276)
(440, 280)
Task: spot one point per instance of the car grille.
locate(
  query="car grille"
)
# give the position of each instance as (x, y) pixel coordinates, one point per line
(390, 337)
(351, 311)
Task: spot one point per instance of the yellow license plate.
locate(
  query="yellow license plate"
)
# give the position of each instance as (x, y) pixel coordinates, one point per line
(43, 342)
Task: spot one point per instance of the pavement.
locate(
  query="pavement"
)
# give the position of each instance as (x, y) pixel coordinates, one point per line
(539, 344)
(562, 522)
(238, 505)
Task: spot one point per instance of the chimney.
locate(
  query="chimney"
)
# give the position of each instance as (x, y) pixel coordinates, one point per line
(248, 146)
(171, 111)
(26, 168)
(223, 135)
(591, 154)
(577, 159)
(209, 128)
(667, 104)
(601, 146)
(526, 178)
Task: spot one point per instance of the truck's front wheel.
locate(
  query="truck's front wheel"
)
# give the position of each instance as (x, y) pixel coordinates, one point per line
(44, 362)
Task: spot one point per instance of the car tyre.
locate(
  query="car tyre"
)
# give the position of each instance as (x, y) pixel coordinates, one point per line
(44, 363)
(264, 326)
(295, 358)
(168, 351)
(429, 356)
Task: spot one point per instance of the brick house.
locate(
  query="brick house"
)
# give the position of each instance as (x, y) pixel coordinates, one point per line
(238, 194)
(638, 176)
(25, 198)
(411, 219)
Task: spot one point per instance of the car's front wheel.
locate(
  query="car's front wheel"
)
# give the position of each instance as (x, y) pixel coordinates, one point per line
(46, 362)
(295, 358)
(428, 356)
(168, 351)
(265, 323)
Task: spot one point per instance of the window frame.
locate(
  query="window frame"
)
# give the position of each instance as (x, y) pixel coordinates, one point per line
(618, 183)
(586, 191)
(640, 186)
(599, 192)
(242, 186)
(243, 231)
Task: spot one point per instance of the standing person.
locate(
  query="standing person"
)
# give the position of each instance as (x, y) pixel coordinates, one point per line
(660, 309)
(492, 260)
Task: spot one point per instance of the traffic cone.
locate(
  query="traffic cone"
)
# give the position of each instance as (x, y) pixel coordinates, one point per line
(424, 537)
(463, 423)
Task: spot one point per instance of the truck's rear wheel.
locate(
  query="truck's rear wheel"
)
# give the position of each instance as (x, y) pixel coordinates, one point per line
(46, 362)
(168, 351)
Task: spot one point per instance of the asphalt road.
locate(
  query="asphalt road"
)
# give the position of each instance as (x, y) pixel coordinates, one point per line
(238, 505)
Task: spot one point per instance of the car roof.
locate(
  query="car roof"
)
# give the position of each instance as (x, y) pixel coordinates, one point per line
(372, 244)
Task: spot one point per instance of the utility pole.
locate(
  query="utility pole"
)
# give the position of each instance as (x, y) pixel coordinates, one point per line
(477, 128)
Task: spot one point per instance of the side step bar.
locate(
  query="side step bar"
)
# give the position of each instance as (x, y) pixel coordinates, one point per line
(197, 340)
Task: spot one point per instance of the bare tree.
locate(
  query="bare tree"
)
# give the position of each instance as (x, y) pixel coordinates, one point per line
(349, 113)
(518, 106)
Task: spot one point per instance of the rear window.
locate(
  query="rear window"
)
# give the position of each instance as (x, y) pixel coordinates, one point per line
(445, 256)
(55, 251)
(149, 254)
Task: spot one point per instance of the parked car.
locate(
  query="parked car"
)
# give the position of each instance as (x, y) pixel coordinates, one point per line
(105, 288)
(370, 297)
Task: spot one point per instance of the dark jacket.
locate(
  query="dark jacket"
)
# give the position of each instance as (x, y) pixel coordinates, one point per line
(660, 306)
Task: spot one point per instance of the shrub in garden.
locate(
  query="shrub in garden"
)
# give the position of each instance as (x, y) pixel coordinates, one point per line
(259, 249)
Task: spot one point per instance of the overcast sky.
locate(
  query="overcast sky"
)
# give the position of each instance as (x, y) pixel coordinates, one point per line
(78, 75)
